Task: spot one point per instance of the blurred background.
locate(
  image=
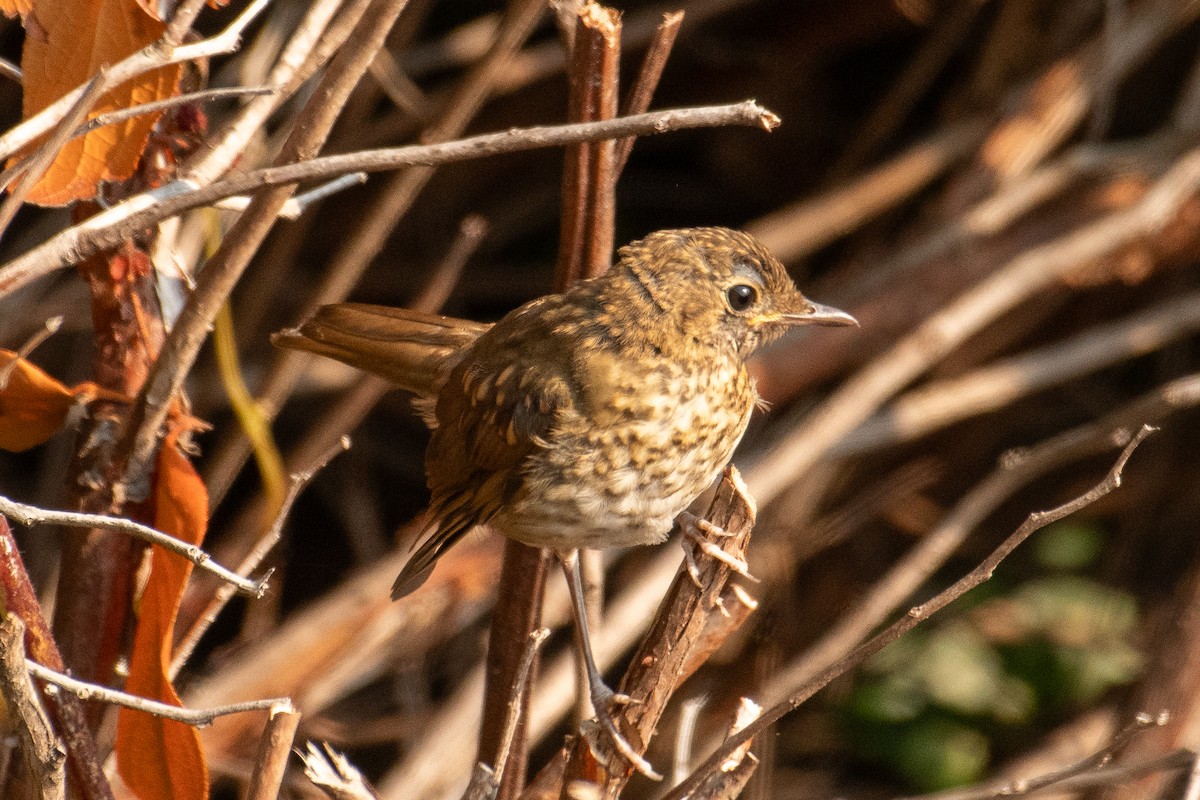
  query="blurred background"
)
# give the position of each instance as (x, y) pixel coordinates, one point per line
(1003, 193)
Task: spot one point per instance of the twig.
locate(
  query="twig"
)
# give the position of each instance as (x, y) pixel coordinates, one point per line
(399, 88)
(48, 329)
(295, 206)
(914, 617)
(1193, 786)
(115, 117)
(224, 593)
(67, 712)
(1017, 470)
(31, 515)
(727, 782)
(198, 717)
(44, 754)
(181, 21)
(109, 227)
(653, 64)
(273, 750)
(156, 55)
(904, 93)
(43, 158)
(11, 71)
(689, 713)
(536, 639)
(322, 31)
(1070, 780)
(1059, 101)
(471, 232)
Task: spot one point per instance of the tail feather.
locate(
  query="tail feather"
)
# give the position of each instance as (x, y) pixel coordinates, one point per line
(412, 349)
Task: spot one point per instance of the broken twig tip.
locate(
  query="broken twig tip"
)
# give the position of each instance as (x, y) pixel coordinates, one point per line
(769, 120)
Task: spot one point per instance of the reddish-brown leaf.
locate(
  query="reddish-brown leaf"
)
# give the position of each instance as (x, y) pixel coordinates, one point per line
(74, 39)
(159, 757)
(33, 405)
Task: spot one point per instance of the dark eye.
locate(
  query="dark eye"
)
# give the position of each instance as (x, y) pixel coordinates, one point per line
(741, 296)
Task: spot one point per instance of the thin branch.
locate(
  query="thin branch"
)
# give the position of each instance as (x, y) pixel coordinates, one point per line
(914, 617)
(67, 712)
(265, 544)
(495, 775)
(43, 158)
(471, 231)
(295, 206)
(802, 227)
(44, 753)
(48, 329)
(11, 71)
(322, 32)
(152, 57)
(1093, 772)
(1018, 468)
(121, 115)
(198, 717)
(653, 64)
(273, 750)
(31, 515)
(145, 210)
(1193, 786)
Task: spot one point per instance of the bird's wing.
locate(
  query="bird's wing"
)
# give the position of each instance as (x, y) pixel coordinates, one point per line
(498, 407)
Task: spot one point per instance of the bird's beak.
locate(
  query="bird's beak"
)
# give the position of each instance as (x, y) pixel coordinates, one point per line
(817, 314)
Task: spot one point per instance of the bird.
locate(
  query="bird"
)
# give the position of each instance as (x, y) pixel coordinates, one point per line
(590, 418)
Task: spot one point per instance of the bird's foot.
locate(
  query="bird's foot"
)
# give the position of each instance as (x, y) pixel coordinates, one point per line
(604, 701)
(694, 530)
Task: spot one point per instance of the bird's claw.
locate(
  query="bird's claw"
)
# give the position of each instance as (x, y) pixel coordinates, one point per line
(693, 529)
(605, 721)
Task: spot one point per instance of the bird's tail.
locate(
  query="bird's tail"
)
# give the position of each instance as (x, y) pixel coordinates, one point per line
(412, 349)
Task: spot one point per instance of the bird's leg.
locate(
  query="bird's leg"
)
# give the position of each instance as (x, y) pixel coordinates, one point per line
(693, 530)
(603, 698)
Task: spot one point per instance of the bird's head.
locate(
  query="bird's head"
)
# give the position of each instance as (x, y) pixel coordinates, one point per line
(723, 284)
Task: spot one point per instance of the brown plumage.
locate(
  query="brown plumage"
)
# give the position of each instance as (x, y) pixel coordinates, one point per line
(589, 418)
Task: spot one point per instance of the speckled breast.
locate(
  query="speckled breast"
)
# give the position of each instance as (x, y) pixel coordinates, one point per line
(635, 451)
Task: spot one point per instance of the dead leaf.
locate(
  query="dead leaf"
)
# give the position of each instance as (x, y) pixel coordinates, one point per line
(33, 405)
(80, 37)
(159, 757)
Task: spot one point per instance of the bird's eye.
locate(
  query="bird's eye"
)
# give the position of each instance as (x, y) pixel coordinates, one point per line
(741, 296)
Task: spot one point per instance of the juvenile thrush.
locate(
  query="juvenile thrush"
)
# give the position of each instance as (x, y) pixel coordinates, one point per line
(590, 418)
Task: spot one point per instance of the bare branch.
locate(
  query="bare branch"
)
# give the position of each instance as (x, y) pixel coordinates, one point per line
(31, 515)
(198, 717)
(914, 617)
(156, 55)
(273, 750)
(44, 754)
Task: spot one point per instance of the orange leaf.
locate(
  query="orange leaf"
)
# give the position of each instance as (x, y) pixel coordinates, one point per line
(158, 757)
(33, 406)
(74, 38)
